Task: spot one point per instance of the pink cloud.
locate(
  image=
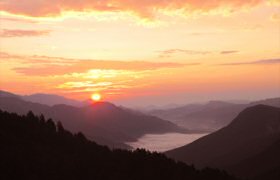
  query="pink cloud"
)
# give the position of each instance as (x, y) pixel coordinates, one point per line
(170, 52)
(257, 62)
(143, 8)
(7, 33)
(229, 52)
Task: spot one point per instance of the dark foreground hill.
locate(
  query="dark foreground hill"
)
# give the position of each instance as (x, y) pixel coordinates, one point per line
(33, 148)
(247, 147)
(102, 122)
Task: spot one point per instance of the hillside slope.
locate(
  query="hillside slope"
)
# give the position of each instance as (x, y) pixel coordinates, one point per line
(251, 133)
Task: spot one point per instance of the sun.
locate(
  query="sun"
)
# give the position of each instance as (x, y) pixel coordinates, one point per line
(96, 97)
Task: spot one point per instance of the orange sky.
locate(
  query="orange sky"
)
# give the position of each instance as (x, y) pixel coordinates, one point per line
(141, 52)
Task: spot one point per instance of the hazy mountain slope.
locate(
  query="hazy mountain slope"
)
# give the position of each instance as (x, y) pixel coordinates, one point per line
(7, 94)
(33, 148)
(103, 122)
(46, 99)
(211, 116)
(253, 131)
(270, 102)
(204, 117)
(51, 99)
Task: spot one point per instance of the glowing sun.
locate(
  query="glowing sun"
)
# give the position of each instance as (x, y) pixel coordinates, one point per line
(96, 97)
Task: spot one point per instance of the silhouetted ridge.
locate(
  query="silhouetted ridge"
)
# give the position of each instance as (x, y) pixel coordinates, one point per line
(33, 148)
(249, 138)
(258, 119)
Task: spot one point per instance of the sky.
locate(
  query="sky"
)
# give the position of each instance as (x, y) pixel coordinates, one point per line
(141, 52)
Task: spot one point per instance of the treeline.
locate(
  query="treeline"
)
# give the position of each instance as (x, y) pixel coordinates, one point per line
(34, 148)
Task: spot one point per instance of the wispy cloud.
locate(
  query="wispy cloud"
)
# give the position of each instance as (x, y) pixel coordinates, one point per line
(201, 33)
(229, 52)
(144, 9)
(85, 65)
(260, 62)
(170, 52)
(49, 66)
(275, 17)
(91, 86)
(83, 84)
(7, 33)
(13, 19)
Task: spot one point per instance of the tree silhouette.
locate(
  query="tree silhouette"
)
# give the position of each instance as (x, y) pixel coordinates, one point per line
(33, 148)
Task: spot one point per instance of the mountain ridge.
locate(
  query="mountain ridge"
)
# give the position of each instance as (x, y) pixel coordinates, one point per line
(253, 131)
(103, 121)
(210, 116)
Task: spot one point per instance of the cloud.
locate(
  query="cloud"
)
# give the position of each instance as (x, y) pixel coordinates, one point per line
(170, 52)
(229, 52)
(79, 84)
(90, 86)
(13, 19)
(258, 62)
(275, 17)
(50, 66)
(143, 8)
(85, 65)
(7, 33)
(7, 56)
(201, 33)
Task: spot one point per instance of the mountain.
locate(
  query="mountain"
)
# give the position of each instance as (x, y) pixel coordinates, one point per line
(103, 122)
(201, 117)
(7, 94)
(254, 134)
(52, 99)
(270, 102)
(46, 99)
(208, 117)
(34, 148)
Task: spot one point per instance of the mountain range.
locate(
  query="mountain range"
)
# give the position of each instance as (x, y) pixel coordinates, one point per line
(245, 141)
(52, 99)
(207, 117)
(102, 122)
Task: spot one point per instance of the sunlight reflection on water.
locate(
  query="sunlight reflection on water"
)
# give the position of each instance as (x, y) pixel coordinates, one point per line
(164, 142)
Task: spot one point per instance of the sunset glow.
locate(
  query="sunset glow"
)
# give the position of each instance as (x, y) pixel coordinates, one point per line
(141, 52)
(96, 97)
